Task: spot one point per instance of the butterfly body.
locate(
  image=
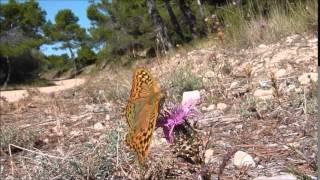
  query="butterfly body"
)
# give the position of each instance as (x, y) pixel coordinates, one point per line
(142, 112)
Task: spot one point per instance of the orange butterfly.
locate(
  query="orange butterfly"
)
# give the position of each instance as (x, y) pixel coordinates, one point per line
(142, 112)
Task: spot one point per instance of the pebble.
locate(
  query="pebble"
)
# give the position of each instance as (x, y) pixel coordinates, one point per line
(242, 159)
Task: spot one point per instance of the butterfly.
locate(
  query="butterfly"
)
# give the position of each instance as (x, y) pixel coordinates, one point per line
(142, 112)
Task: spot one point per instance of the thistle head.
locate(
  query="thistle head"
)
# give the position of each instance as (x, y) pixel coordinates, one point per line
(176, 116)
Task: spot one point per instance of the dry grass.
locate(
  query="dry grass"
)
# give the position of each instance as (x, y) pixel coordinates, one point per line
(250, 27)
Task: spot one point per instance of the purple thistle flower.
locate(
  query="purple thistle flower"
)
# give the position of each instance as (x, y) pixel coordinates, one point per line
(176, 117)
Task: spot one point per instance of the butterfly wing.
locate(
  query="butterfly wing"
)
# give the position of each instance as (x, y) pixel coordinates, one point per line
(143, 87)
(142, 112)
(141, 84)
(139, 138)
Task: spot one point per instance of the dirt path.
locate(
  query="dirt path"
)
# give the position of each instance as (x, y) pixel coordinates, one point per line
(13, 96)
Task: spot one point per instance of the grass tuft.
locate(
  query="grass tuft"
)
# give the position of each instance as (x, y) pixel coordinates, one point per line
(184, 80)
(267, 21)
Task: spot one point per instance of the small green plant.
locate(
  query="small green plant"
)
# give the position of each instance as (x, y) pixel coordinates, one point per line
(13, 135)
(184, 80)
(312, 106)
(246, 107)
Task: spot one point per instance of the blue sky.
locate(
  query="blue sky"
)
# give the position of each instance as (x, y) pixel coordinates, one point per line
(78, 7)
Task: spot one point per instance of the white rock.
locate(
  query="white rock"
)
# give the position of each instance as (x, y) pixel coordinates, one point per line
(159, 142)
(211, 107)
(263, 94)
(75, 133)
(239, 126)
(291, 87)
(219, 55)
(280, 177)
(280, 73)
(315, 40)
(222, 106)
(234, 85)
(100, 92)
(298, 90)
(289, 40)
(98, 126)
(191, 96)
(264, 83)
(107, 118)
(242, 159)
(209, 74)
(260, 167)
(294, 144)
(262, 46)
(306, 77)
(208, 155)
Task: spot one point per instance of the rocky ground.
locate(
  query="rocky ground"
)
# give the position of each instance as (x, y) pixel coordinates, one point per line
(256, 119)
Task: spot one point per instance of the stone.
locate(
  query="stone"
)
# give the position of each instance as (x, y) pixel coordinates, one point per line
(263, 94)
(75, 133)
(239, 126)
(98, 126)
(234, 85)
(242, 159)
(211, 107)
(204, 108)
(279, 177)
(306, 77)
(209, 74)
(298, 90)
(262, 46)
(264, 84)
(208, 155)
(280, 73)
(289, 40)
(260, 167)
(159, 142)
(315, 40)
(291, 87)
(191, 96)
(222, 106)
(292, 38)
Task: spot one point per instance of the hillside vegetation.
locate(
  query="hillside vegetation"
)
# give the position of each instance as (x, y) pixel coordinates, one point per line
(123, 32)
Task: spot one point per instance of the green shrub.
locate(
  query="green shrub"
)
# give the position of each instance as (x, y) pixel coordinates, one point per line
(184, 80)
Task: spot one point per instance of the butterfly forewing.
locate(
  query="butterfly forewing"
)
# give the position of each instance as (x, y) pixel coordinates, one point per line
(142, 84)
(142, 112)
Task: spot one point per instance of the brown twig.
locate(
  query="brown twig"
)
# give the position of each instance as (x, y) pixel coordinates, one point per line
(226, 158)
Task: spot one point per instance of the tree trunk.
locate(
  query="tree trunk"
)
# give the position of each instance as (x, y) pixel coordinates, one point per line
(157, 21)
(174, 20)
(203, 31)
(75, 64)
(8, 74)
(189, 17)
